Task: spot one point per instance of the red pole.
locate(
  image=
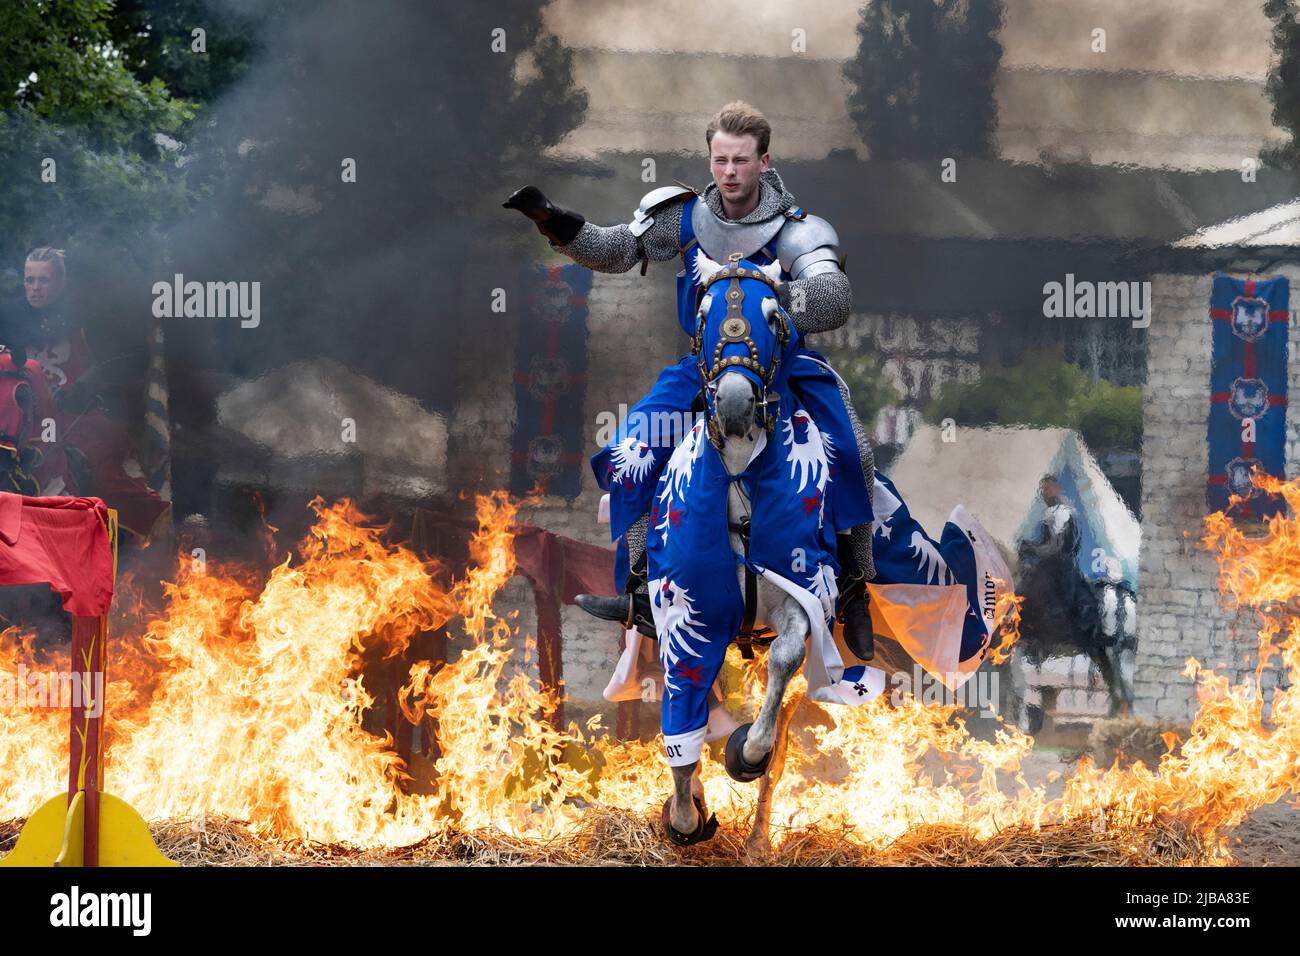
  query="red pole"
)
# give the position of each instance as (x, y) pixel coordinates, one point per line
(628, 726)
(550, 655)
(86, 745)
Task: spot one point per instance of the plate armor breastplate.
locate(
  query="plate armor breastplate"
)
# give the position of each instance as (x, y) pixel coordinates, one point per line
(719, 239)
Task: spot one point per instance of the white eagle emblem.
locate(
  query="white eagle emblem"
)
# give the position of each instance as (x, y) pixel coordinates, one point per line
(632, 459)
(682, 461)
(676, 623)
(810, 457)
(883, 503)
(676, 478)
(810, 451)
(52, 359)
(824, 589)
(929, 560)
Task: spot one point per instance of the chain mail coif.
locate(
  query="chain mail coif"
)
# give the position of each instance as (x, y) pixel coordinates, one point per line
(772, 199)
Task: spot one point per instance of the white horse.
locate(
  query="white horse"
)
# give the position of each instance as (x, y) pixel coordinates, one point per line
(737, 424)
(925, 605)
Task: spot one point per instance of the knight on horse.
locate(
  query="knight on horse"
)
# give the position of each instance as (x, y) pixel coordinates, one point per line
(734, 505)
(774, 488)
(746, 213)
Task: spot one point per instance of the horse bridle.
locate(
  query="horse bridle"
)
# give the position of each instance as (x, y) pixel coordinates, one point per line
(735, 330)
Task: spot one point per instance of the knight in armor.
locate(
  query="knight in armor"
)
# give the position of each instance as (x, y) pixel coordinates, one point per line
(746, 212)
(1059, 613)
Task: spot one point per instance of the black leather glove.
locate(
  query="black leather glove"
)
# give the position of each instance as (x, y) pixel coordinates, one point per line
(558, 225)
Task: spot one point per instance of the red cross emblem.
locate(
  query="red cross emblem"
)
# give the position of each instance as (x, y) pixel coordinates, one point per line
(675, 515)
(694, 674)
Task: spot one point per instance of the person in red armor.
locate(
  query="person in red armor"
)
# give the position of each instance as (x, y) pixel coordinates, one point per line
(25, 402)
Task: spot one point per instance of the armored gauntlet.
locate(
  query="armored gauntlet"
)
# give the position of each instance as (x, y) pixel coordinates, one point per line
(558, 225)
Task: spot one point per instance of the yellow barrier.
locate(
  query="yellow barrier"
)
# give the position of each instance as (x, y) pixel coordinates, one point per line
(87, 827)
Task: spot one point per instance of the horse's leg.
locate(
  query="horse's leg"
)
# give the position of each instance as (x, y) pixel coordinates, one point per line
(1103, 657)
(683, 814)
(759, 843)
(783, 659)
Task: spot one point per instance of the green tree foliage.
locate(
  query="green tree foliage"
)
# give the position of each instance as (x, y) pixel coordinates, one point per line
(156, 39)
(439, 115)
(105, 198)
(243, 178)
(1046, 391)
(67, 95)
(923, 77)
(58, 61)
(1284, 81)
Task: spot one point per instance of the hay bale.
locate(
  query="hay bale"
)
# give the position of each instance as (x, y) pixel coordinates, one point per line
(1132, 739)
(219, 841)
(9, 830)
(608, 837)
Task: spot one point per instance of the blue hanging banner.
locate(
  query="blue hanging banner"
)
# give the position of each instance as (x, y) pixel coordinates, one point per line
(551, 382)
(1248, 379)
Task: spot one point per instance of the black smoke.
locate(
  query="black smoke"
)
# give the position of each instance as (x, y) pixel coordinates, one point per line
(370, 273)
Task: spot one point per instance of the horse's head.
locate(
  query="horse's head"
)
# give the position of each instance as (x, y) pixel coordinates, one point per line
(743, 339)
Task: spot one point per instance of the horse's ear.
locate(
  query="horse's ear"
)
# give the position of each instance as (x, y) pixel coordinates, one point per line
(705, 268)
(772, 270)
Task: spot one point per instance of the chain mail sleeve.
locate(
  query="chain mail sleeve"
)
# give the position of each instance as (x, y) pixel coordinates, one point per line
(615, 249)
(827, 299)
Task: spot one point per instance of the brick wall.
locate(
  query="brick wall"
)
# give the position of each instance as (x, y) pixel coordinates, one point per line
(1179, 614)
(632, 334)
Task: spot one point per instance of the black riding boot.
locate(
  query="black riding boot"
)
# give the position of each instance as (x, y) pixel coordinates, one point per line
(853, 605)
(631, 608)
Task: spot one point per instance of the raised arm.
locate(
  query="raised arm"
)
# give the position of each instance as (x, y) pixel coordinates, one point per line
(818, 295)
(652, 234)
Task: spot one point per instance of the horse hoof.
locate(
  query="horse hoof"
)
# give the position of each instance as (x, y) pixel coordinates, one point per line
(704, 830)
(738, 768)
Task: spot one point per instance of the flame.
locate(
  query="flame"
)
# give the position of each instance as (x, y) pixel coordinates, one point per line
(245, 697)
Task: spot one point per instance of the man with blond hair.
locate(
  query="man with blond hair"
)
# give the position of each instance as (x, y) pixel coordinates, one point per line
(37, 324)
(746, 211)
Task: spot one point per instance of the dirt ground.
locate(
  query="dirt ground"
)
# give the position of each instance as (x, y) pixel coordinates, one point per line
(1269, 837)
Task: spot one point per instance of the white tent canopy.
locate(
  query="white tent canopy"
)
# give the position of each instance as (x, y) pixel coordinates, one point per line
(994, 472)
(300, 413)
(1276, 226)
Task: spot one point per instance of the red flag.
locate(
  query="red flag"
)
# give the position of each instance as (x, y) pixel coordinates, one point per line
(63, 542)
